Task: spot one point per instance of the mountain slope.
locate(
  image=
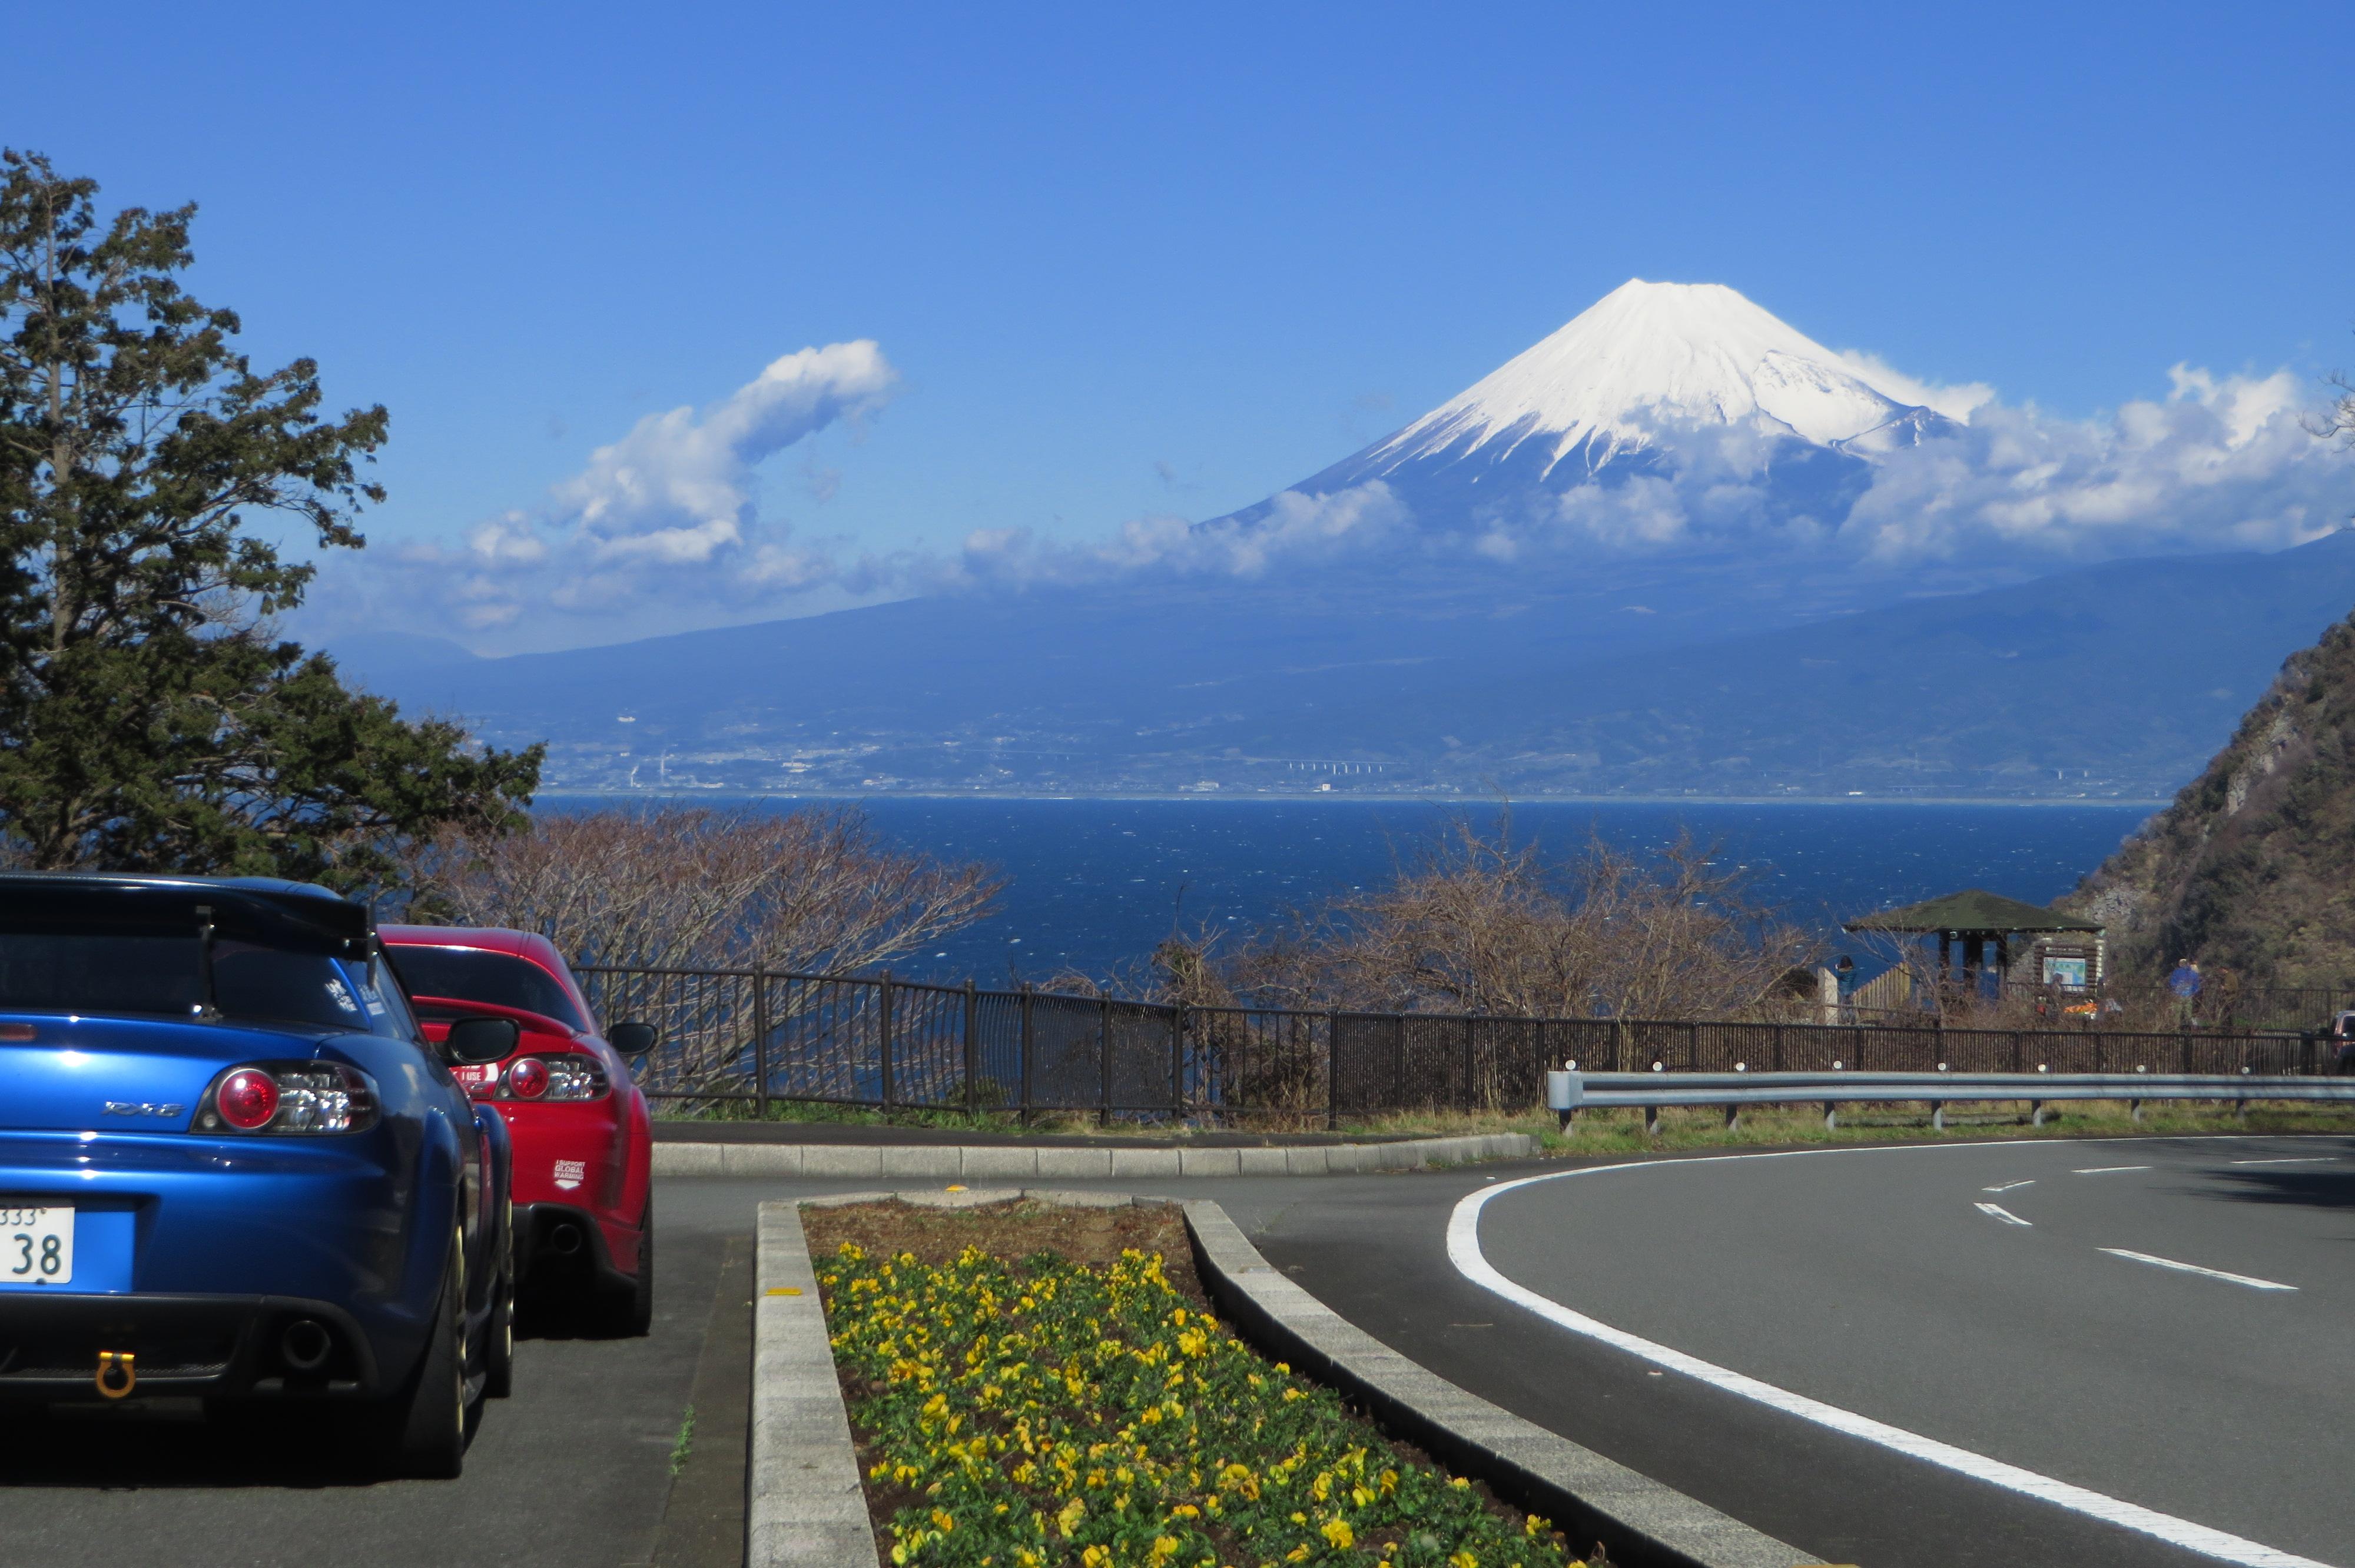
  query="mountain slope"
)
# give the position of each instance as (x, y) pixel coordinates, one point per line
(2249, 870)
(1628, 388)
(2122, 678)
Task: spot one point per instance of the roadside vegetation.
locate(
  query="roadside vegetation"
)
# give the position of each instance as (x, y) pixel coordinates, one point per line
(675, 886)
(1089, 1412)
(1478, 922)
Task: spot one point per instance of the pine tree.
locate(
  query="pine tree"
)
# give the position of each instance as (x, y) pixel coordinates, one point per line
(149, 716)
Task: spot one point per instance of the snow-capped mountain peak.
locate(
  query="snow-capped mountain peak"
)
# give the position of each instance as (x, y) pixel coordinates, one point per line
(1649, 354)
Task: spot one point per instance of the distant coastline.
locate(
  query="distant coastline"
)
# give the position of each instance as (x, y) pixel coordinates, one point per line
(1336, 798)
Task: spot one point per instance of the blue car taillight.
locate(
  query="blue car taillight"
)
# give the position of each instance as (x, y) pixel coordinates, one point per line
(557, 1075)
(294, 1099)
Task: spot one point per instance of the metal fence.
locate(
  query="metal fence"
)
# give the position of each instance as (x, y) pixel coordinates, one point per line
(749, 1040)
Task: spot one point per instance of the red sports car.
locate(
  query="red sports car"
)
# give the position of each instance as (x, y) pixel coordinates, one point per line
(584, 1198)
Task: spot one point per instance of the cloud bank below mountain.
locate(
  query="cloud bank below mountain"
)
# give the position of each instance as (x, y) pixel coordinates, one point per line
(668, 519)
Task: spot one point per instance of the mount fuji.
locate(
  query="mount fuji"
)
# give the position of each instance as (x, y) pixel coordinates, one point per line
(1650, 379)
(1614, 565)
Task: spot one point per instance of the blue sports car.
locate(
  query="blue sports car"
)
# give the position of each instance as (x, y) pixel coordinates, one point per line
(231, 1166)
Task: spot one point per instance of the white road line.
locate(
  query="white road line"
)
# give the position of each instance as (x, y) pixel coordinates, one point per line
(2107, 1169)
(1464, 1252)
(2005, 1215)
(2252, 1283)
(2007, 1186)
(2300, 1160)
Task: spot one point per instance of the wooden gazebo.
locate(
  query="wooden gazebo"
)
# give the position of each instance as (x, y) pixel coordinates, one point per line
(1978, 919)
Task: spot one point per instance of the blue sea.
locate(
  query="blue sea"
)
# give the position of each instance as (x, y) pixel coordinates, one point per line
(1092, 885)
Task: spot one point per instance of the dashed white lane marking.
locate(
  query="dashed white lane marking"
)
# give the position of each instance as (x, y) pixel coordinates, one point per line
(2005, 1215)
(2299, 1159)
(2107, 1169)
(1464, 1252)
(2253, 1283)
(2007, 1186)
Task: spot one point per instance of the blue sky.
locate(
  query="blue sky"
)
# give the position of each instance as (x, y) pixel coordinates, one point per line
(1128, 261)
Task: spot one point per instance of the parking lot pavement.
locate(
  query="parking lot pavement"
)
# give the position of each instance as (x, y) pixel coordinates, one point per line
(575, 1469)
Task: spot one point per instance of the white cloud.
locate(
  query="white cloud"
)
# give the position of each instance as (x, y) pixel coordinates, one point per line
(1955, 402)
(668, 512)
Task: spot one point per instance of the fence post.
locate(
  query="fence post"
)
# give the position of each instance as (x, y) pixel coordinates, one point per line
(1470, 1025)
(1177, 1062)
(1024, 1053)
(761, 1043)
(1103, 1061)
(1332, 1072)
(1398, 1062)
(971, 1050)
(883, 1037)
(1618, 1045)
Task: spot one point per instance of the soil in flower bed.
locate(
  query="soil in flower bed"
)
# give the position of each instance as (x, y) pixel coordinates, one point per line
(1019, 1405)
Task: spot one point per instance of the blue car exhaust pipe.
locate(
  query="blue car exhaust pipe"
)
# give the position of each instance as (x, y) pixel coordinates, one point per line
(305, 1345)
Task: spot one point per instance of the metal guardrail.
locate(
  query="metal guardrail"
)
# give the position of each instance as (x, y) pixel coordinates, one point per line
(1568, 1092)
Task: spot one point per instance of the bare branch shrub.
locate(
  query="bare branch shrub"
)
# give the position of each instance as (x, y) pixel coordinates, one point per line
(1481, 924)
(693, 888)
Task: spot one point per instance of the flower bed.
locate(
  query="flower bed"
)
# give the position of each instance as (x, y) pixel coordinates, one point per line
(1050, 1413)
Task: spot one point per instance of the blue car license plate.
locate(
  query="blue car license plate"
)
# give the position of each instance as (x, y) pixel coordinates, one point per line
(35, 1244)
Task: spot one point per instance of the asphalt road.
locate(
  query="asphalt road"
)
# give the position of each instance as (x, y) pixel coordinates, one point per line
(574, 1469)
(1867, 1280)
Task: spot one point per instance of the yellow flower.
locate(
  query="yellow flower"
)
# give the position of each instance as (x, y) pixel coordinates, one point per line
(1338, 1532)
(944, 1521)
(1464, 1559)
(1095, 1557)
(1164, 1547)
(1185, 1511)
(1073, 1511)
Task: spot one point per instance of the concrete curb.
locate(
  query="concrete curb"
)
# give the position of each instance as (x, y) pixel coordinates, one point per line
(805, 1505)
(1642, 1523)
(1022, 1163)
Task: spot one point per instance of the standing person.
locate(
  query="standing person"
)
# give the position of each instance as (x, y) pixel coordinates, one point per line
(1845, 973)
(2185, 982)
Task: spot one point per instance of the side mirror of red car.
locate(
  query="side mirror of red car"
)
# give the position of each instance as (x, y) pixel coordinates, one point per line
(475, 1041)
(633, 1040)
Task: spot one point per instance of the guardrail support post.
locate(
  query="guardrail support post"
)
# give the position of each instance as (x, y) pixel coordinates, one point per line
(2134, 1109)
(1831, 1116)
(1652, 1121)
(1938, 1116)
(1732, 1117)
(2036, 1113)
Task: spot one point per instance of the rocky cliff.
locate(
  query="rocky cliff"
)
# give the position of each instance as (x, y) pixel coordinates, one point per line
(2253, 866)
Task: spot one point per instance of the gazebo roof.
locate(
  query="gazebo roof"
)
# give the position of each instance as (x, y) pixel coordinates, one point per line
(1973, 909)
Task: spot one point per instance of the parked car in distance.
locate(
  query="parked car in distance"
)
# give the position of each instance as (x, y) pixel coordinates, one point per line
(232, 1166)
(584, 1147)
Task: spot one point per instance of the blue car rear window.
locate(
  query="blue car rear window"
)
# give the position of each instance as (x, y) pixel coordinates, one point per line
(112, 971)
(99, 972)
(470, 974)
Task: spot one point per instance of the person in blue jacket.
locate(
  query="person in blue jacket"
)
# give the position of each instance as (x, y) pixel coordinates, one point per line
(2185, 982)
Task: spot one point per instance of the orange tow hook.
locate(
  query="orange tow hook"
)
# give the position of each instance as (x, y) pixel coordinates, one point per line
(117, 1373)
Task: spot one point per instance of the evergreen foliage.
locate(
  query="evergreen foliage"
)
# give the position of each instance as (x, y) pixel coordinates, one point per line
(149, 716)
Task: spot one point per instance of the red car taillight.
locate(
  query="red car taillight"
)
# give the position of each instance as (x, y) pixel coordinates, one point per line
(247, 1098)
(558, 1075)
(288, 1097)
